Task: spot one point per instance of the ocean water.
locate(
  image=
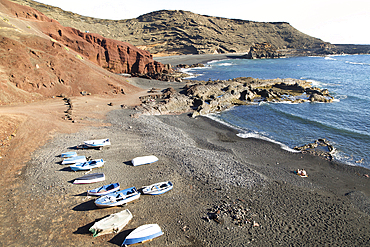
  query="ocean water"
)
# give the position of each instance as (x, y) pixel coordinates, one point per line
(345, 123)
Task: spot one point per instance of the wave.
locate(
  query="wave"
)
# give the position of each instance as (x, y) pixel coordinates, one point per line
(243, 134)
(225, 64)
(258, 136)
(357, 63)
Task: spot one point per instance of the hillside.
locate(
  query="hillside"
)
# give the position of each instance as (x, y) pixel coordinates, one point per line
(41, 58)
(182, 32)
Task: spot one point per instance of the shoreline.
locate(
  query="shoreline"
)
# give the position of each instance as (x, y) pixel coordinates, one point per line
(227, 190)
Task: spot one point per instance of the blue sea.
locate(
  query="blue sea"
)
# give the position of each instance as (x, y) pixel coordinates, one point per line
(345, 123)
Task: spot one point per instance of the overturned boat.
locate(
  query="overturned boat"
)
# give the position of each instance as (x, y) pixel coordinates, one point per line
(104, 190)
(87, 165)
(143, 234)
(90, 178)
(157, 188)
(114, 223)
(117, 198)
(144, 160)
(73, 160)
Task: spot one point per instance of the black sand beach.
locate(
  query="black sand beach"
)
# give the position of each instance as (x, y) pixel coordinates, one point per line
(228, 191)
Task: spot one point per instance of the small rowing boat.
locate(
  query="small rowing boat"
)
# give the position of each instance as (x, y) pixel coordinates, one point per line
(68, 154)
(138, 161)
(143, 234)
(73, 160)
(117, 198)
(114, 223)
(90, 178)
(158, 188)
(104, 190)
(88, 165)
(97, 143)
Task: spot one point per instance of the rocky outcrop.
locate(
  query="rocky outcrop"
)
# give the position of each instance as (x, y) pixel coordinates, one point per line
(320, 147)
(202, 98)
(183, 32)
(264, 50)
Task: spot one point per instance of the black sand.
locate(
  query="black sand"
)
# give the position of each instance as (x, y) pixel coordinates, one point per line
(228, 191)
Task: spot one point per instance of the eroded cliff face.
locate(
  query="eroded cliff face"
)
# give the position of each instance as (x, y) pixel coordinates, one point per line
(34, 65)
(116, 56)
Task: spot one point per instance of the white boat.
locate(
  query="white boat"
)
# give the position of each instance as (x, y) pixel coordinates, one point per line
(158, 188)
(117, 198)
(68, 154)
(144, 160)
(73, 160)
(90, 178)
(142, 234)
(88, 165)
(97, 143)
(104, 190)
(114, 223)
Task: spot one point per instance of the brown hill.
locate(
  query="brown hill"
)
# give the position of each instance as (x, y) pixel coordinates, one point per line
(34, 66)
(183, 32)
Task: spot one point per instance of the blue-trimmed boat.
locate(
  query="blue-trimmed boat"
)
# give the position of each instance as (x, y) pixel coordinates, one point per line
(97, 143)
(157, 189)
(143, 234)
(117, 198)
(68, 154)
(88, 165)
(104, 190)
(73, 160)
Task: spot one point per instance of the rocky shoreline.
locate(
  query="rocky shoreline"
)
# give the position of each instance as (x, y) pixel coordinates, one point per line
(201, 97)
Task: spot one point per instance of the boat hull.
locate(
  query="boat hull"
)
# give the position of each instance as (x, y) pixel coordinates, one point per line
(142, 234)
(68, 154)
(138, 161)
(118, 198)
(114, 223)
(104, 190)
(158, 188)
(90, 178)
(88, 165)
(97, 143)
(74, 160)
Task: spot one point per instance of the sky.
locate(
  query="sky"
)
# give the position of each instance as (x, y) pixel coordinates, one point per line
(334, 21)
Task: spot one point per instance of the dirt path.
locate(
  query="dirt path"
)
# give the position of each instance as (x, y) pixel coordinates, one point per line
(24, 128)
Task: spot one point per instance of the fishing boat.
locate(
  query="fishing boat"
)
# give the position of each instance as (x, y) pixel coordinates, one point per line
(88, 165)
(68, 154)
(73, 160)
(144, 160)
(157, 189)
(97, 143)
(90, 178)
(117, 198)
(104, 190)
(114, 223)
(143, 234)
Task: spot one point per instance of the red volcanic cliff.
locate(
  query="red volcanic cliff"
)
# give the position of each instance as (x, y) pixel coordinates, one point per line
(33, 65)
(113, 55)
